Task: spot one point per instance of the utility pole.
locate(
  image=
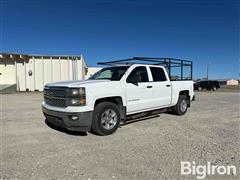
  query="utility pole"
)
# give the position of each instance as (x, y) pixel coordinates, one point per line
(207, 70)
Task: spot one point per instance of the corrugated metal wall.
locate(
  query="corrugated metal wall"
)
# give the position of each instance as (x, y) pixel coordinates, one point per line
(33, 74)
(7, 72)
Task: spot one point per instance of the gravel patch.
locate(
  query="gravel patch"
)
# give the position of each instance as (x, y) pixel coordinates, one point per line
(147, 149)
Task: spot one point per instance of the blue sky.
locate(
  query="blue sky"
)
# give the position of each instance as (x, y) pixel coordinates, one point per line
(204, 31)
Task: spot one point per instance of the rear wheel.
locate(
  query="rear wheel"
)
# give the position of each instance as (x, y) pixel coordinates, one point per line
(214, 88)
(106, 118)
(199, 88)
(181, 107)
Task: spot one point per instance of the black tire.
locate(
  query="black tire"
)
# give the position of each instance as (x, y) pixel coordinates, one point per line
(214, 88)
(199, 88)
(97, 125)
(182, 101)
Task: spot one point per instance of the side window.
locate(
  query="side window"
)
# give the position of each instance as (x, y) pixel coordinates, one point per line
(139, 74)
(158, 74)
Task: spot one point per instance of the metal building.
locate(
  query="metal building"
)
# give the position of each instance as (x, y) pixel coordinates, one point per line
(232, 82)
(32, 72)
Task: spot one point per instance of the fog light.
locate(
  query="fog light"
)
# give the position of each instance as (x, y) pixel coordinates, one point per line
(74, 118)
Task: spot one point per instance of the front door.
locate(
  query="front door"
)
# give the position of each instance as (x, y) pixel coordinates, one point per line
(139, 90)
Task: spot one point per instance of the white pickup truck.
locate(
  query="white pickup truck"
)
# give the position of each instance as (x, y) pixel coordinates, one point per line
(112, 94)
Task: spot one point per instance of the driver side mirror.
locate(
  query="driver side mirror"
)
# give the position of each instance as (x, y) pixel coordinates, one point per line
(134, 80)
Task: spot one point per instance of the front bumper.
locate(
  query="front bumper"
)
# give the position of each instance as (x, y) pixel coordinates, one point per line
(63, 119)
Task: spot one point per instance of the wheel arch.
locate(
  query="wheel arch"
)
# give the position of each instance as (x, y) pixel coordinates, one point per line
(118, 100)
(187, 93)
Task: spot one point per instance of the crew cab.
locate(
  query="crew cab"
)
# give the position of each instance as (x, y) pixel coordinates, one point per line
(112, 94)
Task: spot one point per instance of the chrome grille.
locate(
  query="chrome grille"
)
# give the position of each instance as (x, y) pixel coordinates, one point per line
(55, 92)
(55, 101)
(56, 96)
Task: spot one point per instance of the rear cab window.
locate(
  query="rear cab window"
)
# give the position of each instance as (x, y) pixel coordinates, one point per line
(158, 74)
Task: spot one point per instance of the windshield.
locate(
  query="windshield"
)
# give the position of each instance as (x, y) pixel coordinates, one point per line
(111, 73)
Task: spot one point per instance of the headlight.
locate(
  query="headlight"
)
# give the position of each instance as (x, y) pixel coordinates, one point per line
(77, 97)
(77, 101)
(76, 92)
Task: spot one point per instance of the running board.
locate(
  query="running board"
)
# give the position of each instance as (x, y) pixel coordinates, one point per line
(133, 117)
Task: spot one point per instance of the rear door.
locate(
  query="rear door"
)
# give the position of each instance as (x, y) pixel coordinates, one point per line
(138, 90)
(161, 87)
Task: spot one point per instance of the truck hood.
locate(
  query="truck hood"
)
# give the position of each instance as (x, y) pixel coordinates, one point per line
(76, 83)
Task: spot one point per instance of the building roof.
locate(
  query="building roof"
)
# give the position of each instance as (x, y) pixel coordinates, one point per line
(17, 56)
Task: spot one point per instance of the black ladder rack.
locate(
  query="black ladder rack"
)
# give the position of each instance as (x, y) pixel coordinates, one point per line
(169, 63)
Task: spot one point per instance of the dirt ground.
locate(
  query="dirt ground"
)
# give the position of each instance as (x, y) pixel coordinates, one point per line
(226, 88)
(148, 149)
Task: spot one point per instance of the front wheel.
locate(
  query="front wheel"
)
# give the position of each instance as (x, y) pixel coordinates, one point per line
(181, 107)
(106, 118)
(214, 88)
